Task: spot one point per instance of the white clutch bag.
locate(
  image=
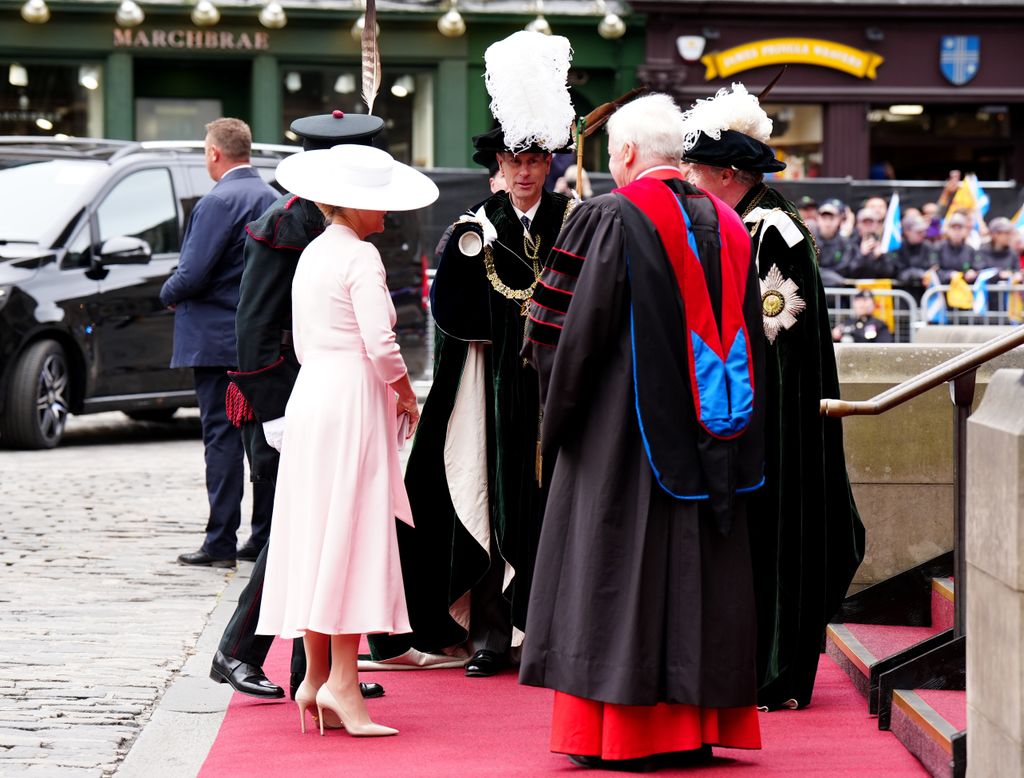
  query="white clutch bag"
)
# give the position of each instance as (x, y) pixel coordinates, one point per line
(403, 430)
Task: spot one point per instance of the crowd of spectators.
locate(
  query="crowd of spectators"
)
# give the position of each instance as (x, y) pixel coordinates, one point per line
(935, 238)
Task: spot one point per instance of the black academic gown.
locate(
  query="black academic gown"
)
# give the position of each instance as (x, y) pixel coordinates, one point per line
(441, 560)
(638, 597)
(807, 539)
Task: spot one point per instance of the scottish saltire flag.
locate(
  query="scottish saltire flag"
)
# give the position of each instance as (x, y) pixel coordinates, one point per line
(981, 201)
(981, 290)
(892, 235)
(935, 313)
(959, 57)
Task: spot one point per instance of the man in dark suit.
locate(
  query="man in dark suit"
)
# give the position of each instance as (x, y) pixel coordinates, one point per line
(203, 291)
(267, 371)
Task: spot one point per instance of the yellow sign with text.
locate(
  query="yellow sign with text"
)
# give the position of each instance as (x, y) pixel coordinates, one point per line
(792, 51)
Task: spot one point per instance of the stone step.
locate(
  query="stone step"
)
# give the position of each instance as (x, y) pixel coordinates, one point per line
(865, 651)
(931, 723)
(942, 603)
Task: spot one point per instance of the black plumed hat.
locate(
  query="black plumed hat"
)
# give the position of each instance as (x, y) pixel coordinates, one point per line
(734, 150)
(488, 144)
(332, 129)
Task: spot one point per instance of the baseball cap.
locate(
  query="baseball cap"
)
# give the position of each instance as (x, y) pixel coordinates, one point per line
(832, 205)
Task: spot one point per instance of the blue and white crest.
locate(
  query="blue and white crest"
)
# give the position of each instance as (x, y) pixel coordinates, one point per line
(959, 57)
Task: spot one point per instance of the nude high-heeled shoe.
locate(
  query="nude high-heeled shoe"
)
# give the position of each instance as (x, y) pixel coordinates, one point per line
(305, 697)
(325, 700)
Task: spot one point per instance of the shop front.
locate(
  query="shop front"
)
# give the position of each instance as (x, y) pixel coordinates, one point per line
(81, 74)
(870, 90)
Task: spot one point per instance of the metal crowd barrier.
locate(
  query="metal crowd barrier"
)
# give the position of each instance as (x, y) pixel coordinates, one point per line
(905, 311)
(1000, 308)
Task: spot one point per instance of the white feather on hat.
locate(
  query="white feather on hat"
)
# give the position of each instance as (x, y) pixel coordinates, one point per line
(737, 110)
(526, 78)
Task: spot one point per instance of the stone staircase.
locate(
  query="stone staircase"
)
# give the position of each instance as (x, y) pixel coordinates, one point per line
(896, 642)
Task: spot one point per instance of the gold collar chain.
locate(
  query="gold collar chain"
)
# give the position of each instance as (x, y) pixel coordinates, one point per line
(521, 295)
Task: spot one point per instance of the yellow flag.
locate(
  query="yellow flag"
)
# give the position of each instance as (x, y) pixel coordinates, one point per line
(1015, 307)
(883, 302)
(960, 294)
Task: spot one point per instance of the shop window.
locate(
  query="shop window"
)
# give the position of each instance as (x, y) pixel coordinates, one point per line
(913, 141)
(141, 206)
(51, 100)
(405, 103)
(797, 138)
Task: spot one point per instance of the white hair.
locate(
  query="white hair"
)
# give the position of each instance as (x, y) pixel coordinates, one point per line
(654, 123)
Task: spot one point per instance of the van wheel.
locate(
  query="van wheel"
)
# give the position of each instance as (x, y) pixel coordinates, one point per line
(39, 397)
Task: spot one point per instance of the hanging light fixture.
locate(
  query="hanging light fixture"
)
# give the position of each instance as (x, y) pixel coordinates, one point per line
(17, 75)
(357, 28)
(89, 77)
(403, 86)
(35, 12)
(129, 14)
(611, 25)
(345, 84)
(452, 25)
(272, 16)
(205, 14)
(293, 81)
(540, 24)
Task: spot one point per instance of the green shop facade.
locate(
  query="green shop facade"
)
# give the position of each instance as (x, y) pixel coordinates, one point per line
(81, 74)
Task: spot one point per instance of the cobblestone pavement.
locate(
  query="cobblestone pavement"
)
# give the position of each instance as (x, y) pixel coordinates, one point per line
(96, 615)
(97, 620)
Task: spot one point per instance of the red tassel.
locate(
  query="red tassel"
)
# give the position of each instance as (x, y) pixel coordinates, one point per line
(238, 409)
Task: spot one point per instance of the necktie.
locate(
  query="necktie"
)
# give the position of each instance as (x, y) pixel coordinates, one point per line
(526, 221)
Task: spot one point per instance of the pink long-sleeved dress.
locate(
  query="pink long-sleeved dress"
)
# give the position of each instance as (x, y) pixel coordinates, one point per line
(333, 565)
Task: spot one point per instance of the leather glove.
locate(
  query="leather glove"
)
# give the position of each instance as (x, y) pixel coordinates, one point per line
(273, 431)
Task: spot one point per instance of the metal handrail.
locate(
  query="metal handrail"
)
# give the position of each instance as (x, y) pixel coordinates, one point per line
(929, 379)
(961, 372)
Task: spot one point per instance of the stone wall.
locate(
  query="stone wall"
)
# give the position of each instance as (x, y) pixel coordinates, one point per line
(901, 462)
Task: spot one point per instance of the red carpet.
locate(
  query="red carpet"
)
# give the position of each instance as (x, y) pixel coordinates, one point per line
(466, 727)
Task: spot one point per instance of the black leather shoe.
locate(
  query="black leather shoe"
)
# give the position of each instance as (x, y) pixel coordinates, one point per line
(695, 758)
(243, 677)
(368, 690)
(371, 690)
(484, 664)
(645, 764)
(201, 559)
(248, 552)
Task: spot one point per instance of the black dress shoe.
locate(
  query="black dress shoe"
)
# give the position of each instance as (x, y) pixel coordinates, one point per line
(201, 559)
(249, 552)
(645, 764)
(243, 677)
(368, 690)
(694, 758)
(484, 664)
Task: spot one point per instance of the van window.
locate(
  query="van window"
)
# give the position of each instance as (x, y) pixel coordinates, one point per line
(141, 205)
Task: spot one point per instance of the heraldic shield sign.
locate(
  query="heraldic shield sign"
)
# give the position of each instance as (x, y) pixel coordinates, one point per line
(959, 57)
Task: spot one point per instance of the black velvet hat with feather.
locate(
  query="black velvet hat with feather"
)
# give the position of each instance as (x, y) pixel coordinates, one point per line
(732, 130)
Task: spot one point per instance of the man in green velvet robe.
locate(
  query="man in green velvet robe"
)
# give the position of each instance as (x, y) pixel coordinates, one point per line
(474, 476)
(807, 538)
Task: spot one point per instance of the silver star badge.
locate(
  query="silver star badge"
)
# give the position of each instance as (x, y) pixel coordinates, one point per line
(780, 303)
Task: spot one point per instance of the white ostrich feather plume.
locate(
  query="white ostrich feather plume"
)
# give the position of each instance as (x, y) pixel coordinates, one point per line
(737, 110)
(526, 79)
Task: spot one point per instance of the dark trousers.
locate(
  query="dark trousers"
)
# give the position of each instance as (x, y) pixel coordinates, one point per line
(240, 640)
(224, 470)
(490, 614)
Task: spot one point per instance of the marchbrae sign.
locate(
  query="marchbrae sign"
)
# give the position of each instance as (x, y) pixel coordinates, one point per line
(801, 51)
(221, 40)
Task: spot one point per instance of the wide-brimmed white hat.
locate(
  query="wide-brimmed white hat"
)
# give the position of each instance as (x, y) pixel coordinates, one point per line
(353, 176)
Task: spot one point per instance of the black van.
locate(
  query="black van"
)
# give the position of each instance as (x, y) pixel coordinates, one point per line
(89, 232)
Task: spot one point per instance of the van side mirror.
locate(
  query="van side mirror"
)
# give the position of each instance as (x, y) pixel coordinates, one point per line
(125, 250)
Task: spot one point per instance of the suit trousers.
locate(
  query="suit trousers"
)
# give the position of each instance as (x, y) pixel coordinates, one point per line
(490, 614)
(240, 640)
(224, 470)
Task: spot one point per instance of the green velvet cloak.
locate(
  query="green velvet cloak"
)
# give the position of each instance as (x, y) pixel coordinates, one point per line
(441, 561)
(806, 536)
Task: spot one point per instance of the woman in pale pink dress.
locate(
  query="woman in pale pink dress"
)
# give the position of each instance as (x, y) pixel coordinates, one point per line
(333, 571)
